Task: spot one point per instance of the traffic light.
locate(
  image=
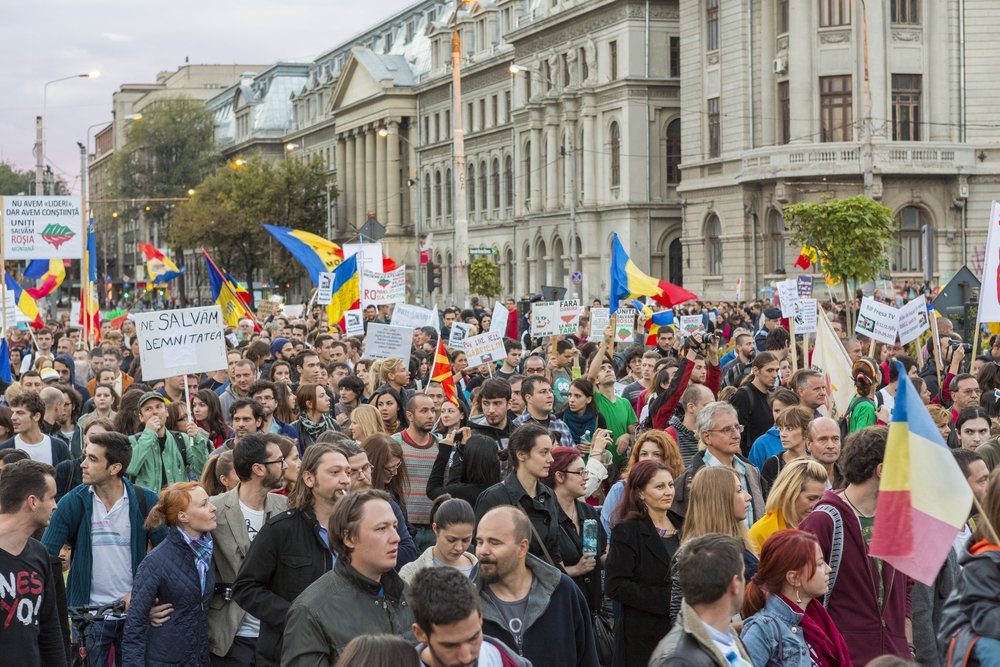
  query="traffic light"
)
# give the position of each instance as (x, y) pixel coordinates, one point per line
(433, 276)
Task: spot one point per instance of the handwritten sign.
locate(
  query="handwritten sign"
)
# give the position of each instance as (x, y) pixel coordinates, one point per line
(600, 319)
(182, 341)
(484, 348)
(385, 341)
(788, 294)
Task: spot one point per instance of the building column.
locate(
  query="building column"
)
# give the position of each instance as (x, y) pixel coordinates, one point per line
(359, 178)
(519, 193)
(768, 89)
(589, 184)
(350, 165)
(801, 81)
(937, 86)
(536, 169)
(369, 173)
(881, 81)
(394, 219)
(551, 171)
(382, 168)
(341, 171)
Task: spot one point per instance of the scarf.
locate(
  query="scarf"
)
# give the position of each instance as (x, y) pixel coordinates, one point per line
(826, 644)
(316, 429)
(202, 548)
(580, 424)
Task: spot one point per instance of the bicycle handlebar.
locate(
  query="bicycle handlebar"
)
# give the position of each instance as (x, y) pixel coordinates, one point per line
(117, 606)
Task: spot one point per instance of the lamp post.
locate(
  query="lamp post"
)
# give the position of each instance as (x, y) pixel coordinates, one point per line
(40, 130)
(384, 133)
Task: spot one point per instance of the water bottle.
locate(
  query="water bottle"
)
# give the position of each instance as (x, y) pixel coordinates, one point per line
(586, 436)
(590, 537)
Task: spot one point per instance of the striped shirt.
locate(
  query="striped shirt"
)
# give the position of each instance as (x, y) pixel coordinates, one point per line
(419, 462)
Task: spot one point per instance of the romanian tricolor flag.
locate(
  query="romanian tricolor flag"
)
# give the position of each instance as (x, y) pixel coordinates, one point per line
(90, 307)
(314, 252)
(441, 373)
(241, 291)
(225, 294)
(52, 272)
(923, 499)
(5, 373)
(159, 267)
(24, 303)
(627, 282)
(346, 290)
(655, 322)
(806, 258)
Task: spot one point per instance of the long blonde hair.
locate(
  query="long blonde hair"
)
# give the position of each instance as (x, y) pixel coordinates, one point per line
(369, 419)
(789, 484)
(710, 508)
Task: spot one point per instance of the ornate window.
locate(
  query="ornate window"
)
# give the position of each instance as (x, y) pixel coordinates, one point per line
(674, 152)
(615, 144)
(910, 254)
(713, 246)
(776, 240)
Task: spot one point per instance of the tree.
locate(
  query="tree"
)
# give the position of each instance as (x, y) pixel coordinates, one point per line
(227, 210)
(484, 277)
(16, 182)
(853, 238)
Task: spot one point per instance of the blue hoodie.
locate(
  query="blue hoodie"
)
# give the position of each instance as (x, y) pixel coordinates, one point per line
(765, 447)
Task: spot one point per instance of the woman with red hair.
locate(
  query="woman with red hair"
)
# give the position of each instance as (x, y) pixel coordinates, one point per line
(786, 624)
(645, 537)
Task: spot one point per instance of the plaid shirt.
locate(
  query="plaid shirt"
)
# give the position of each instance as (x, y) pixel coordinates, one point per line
(556, 427)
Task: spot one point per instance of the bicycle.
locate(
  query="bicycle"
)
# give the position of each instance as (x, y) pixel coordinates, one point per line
(82, 618)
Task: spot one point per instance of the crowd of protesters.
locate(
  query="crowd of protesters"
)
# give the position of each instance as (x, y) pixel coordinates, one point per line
(671, 501)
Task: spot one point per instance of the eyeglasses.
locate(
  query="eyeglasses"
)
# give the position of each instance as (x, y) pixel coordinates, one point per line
(358, 472)
(729, 430)
(267, 463)
(584, 474)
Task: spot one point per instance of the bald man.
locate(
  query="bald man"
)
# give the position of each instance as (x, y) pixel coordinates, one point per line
(824, 446)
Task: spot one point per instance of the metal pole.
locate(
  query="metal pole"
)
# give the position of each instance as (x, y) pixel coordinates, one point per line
(417, 278)
(573, 249)
(461, 238)
(39, 155)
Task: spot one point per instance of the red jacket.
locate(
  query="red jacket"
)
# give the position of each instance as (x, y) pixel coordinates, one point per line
(870, 631)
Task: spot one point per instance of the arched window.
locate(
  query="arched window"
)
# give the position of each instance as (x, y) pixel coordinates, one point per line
(910, 255)
(470, 188)
(508, 179)
(674, 152)
(437, 192)
(495, 177)
(482, 187)
(615, 144)
(776, 240)
(447, 192)
(427, 196)
(713, 246)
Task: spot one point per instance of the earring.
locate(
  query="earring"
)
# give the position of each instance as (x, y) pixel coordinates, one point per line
(798, 598)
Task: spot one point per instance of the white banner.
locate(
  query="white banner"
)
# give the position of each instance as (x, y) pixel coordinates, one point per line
(788, 294)
(406, 315)
(913, 320)
(692, 324)
(43, 228)
(877, 320)
(600, 319)
(385, 341)
(498, 321)
(483, 349)
(555, 318)
(182, 341)
(354, 322)
(805, 316)
(379, 288)
(459, 332)
(989, 296)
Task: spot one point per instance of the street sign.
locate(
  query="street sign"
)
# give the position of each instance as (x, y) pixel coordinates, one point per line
(480, 251)
(576, 278)
(953, 297)
(372, 229)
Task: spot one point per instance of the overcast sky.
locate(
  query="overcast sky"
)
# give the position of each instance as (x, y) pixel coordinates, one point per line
(129, 42)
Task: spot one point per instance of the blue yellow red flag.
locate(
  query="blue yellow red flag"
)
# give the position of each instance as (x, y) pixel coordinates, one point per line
(24, 303)
(314, 252)
(346, 290)
(627, 281)
(52, 272)
(159, 267)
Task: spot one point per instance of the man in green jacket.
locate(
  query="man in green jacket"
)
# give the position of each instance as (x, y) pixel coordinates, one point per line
(161, 457)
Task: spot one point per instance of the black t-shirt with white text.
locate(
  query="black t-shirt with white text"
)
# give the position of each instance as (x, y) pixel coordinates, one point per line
(30, 634)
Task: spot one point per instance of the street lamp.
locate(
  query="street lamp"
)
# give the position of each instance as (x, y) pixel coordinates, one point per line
(384, 133)
(40, 129)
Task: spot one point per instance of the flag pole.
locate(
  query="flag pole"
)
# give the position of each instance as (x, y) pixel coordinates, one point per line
(3, 267)
(795, 351)
(975, 345)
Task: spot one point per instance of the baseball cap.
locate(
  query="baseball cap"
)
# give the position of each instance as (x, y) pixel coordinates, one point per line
(150, 396)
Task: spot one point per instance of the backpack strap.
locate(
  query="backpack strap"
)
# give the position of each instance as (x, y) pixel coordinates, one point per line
(179, 439)
(836, 547)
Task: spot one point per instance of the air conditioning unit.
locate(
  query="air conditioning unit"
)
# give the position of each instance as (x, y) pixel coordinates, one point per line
(780, 65)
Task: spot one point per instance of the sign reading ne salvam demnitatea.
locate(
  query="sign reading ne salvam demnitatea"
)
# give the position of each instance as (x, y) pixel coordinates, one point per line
(42, 228)
(177, 342)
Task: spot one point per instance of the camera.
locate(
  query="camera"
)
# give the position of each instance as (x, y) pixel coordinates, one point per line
(965, 346)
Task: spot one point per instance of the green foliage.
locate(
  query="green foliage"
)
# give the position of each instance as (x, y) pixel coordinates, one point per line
(854, 237)
(16, 182)
(226, 212)
(484, 277)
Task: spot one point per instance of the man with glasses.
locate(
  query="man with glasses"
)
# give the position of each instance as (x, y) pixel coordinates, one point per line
(720, 430)
(262, 391)
(534, 366)
(241, 514)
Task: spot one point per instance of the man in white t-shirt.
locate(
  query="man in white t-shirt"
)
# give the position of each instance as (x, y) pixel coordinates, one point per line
(241, 513)
(26, 416)
(448, 622)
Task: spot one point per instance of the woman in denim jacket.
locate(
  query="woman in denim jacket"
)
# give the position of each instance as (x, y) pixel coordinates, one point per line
(785, 623)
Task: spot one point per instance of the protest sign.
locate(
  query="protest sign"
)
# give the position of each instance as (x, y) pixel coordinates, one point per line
(42, 228)
(498, 321)
(177, 342)
(877, 320)
(805, 316)
(459, 332)
(324, 291)
(370, 257)
(788, 294)
(600, 319)
(624, 325)
(385, 341)
(569, 317)
(405, 315)
(989, 292)
(913, 320)
(483, 349)
(354, 323)
(691, 324)
(544, 318)
(805, 286)
(383, 288)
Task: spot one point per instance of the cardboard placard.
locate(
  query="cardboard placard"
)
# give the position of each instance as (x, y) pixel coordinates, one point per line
(385, 341)
(42, 227)
(324, 291)
(691, 324)
(459, 332)
(406, 315)
(805, 286)
(484, 348)
(913, 320)
(788, 294)
(600, 319)
(498, 320)
(625, 324)
(354, 322)
(383, 288)
(569, 317)
(877, 320)
(805, 316)
(181, 341)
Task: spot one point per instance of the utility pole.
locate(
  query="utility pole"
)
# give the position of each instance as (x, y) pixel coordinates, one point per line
(39, 156)
(461, 238)
(867, 149)
(573, 249)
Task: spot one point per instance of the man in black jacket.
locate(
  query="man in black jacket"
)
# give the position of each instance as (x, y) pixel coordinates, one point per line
(292, 550)
(711, 575)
